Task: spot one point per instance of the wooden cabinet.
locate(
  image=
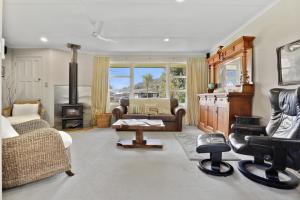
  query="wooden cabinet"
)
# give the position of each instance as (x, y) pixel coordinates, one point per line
(217, 110)
(230, 71)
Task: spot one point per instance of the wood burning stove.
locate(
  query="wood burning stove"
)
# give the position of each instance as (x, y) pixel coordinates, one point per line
(72, 113)
(72, 116)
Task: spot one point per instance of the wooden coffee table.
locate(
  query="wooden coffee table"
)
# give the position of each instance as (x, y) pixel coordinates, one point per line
(139, 141)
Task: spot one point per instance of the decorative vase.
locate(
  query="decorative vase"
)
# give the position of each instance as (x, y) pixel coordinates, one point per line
(211, 86)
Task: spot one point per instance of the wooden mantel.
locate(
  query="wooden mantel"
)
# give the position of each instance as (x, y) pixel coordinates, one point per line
(238, 48)
(235, 48)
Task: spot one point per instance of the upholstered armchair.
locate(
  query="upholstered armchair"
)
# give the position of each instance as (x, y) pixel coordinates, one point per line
(35, 152)
(280, 148)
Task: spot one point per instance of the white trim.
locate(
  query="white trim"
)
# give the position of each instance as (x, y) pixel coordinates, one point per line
(168, 80)
(225, 41)
(131, 95)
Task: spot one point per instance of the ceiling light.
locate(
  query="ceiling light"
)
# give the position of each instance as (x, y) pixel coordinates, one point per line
(167, 40)
(44, 39)
(180, 1)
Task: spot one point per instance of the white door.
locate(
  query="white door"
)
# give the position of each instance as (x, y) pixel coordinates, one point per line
(29, 71)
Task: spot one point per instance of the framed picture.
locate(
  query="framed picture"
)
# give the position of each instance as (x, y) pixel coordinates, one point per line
(288, 62)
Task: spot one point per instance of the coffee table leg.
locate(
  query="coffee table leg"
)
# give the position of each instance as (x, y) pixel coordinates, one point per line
(139, 138)
(140, 141)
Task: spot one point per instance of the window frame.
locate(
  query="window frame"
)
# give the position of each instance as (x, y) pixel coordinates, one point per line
(121, 77)
(178, 77)
(167, 67)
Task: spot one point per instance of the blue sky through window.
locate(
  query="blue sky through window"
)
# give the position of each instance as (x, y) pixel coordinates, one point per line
(119, 71)
(140, 72)
(119, 83)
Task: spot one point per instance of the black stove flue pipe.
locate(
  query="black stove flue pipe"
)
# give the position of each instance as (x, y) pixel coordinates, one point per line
(73, 75)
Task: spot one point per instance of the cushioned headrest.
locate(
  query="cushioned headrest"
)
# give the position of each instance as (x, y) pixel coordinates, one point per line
(288, 102)
(274, 99)
(285, 100)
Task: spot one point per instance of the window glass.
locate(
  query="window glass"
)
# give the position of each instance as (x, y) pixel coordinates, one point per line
(119, 71)
(149, 82)
(181, 96)
(178, 71)
(178, 84)
(119, 83)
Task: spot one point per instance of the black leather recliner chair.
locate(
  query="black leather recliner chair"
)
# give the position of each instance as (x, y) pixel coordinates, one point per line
(279, 148)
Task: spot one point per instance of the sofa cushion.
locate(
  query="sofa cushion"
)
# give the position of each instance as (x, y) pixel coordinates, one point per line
(7, 131)
(135, 116)
(66, 138)
(165, 118)
(25, 109)
(149, 106)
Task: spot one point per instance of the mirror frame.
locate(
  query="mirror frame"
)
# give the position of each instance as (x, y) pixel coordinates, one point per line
(243, 48)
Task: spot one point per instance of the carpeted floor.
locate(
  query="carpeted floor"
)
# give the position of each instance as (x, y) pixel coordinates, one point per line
(105, 172)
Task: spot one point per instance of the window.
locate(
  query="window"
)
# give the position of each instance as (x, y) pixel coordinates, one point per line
(119, 83)
(177, 84)
(147, 81)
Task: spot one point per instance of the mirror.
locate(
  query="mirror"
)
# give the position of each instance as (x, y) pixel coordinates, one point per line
(230, 74)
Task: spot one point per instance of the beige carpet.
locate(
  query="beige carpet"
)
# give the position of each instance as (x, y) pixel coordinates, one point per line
(105, 172)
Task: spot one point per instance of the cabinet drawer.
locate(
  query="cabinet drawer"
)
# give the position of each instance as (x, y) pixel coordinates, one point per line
(202, 101)
(210, 101)
(222, 102)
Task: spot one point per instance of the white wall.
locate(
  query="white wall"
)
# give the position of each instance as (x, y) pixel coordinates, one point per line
(276, 27)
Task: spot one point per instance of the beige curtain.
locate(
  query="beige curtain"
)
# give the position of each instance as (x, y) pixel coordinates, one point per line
(197, 76)
(100, 85)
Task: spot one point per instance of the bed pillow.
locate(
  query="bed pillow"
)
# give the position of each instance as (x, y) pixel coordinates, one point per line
(25, 109)
(6, 129)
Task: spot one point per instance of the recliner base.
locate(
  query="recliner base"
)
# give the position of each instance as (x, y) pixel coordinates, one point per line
(275, 182)
(215, 170)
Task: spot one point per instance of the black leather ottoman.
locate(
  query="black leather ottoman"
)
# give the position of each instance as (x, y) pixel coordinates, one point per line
(214, 144)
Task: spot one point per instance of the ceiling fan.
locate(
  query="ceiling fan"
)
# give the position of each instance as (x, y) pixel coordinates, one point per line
(97, 31)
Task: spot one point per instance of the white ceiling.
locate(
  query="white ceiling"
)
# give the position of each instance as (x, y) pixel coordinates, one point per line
(193, 26)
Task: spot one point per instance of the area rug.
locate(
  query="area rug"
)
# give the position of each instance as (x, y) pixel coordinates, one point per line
(187, 139)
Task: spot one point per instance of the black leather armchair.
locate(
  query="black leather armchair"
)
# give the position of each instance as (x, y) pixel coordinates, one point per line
(280, 149)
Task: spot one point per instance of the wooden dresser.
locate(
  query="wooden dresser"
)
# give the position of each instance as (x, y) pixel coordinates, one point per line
(217, 110)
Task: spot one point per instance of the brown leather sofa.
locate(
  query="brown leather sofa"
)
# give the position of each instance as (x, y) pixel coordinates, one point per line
(172, 122)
